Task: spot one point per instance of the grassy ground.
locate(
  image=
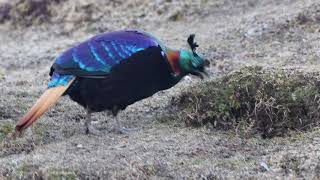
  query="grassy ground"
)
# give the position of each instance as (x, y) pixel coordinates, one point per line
(232, 34)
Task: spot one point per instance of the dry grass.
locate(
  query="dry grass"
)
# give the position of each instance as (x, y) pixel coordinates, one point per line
(5, 129)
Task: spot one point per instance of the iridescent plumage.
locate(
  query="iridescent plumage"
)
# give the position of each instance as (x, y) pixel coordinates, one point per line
(98, 55)
(113, 70)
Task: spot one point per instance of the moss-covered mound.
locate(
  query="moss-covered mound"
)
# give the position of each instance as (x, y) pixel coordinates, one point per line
(254, 101)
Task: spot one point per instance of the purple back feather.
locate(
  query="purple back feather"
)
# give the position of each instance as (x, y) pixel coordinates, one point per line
(99, 54)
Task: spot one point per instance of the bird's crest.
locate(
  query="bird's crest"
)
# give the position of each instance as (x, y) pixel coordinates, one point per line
(193, 45)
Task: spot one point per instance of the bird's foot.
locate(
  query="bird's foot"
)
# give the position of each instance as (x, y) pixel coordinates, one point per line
(123, 130)
(90, 129)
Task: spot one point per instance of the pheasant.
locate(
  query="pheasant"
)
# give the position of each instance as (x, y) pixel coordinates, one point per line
(113, 70)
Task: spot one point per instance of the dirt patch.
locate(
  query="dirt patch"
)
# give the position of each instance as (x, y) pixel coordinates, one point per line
(27, 12)
(252, 100)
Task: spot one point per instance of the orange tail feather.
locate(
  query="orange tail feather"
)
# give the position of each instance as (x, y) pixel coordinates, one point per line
(46, 100)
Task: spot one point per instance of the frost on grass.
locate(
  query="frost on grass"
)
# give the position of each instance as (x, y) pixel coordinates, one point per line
(254, 101)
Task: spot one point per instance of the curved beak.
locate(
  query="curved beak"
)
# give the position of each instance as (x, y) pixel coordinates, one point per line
(200, 74)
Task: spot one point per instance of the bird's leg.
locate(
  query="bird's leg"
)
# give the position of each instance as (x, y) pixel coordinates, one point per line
(88, 121)
(89, 128)
(117, 126)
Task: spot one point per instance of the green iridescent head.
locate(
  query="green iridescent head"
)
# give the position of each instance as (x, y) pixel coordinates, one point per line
(192, 63)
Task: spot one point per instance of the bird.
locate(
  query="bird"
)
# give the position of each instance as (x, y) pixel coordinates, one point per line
(113, 70)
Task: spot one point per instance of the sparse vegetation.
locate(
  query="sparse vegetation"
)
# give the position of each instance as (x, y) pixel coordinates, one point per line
(30, 171)
(291, 164)
(11, 146)
(63, 174)
(5, 129)
(26, 12)
(254, 101)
